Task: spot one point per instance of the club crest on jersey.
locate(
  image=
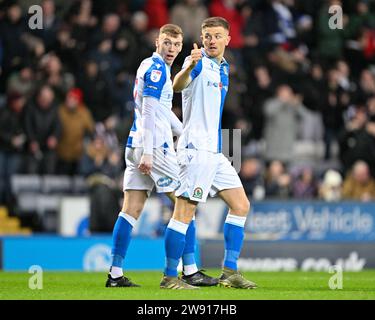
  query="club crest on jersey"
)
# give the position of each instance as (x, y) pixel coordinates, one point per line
(198, 193)
(155, 75)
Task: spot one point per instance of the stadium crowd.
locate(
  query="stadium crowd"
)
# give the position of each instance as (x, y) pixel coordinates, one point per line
(302, 94)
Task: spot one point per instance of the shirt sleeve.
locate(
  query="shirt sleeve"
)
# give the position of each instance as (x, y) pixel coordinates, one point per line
(197, 69)
(148, 123)
(154, 80)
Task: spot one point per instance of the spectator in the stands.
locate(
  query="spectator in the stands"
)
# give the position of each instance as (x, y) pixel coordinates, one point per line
(366, 86)
(76, 122)
(258, 92)
(107, 130)
(109, 63)
(189, 15)
(277, 181)
(252, 178)
(356, 141)
(51, 24)
(304, 185)
(282, 114)
(279, 23)
(333, 110)
(102, 167)
(360, 35)
(233, 107)
(363, 18)
(12, 31)
(43, 129)
(73, 37)
(96, 93)
(52, 73)
(314, 92)
(138, 28)
(344, 77)
(255, 44)
(330, 41)
(22, 81)
(358, 184)
(12, 142)
(109, 29)
(331, 187)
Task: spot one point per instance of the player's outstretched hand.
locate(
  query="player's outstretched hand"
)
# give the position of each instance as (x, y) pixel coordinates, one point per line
(145, 165)
(195, 56)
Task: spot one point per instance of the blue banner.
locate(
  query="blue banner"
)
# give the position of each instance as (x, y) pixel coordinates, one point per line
(79, 253)
(301, 221)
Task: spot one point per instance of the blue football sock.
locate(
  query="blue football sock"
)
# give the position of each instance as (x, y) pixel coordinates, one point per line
(121, 238)
(174, 246)
(188, 256)
(233, 237)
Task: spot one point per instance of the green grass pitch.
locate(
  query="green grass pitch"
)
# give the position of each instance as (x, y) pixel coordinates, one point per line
(272, 285)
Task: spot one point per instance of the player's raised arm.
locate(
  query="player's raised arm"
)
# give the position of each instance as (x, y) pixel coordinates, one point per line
(183, 78)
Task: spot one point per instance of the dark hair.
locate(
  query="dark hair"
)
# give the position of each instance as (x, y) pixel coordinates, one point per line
(215, 22)
(171, 29)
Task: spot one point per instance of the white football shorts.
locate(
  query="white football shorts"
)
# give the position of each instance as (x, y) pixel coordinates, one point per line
(164, 172)
(204, 173)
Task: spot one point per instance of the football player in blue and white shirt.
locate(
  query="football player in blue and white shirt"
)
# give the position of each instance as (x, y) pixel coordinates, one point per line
(150, 155)
(204, 170)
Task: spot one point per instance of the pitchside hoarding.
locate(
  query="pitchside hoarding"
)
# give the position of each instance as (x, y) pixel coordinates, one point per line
(296, 221)
(77, 253)
(279, 236)
(292, 256)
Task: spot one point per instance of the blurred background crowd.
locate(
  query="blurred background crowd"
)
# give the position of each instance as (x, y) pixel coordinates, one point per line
(302, 94)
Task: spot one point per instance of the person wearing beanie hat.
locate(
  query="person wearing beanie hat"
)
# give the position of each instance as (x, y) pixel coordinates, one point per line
(330, 189)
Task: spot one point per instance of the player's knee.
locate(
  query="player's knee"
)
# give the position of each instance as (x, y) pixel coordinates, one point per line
(241, 208)
(245, 207)
(133, 210)
(184, 210)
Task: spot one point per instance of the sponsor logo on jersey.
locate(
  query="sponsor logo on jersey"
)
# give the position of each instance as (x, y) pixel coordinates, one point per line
(198, 193)
(155, 75)
(164, 182)
(152, 87)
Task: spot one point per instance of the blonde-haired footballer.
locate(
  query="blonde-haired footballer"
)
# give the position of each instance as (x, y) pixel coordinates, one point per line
(150, 156)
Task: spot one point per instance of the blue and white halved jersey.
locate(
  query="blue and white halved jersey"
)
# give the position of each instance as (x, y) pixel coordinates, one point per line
(153, 79)
(202, 105)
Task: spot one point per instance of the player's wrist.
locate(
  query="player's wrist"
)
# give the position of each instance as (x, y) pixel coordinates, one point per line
(148, 154)
(191, 66)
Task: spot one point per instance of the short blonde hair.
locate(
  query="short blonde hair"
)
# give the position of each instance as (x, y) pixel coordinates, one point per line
(171, 30)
